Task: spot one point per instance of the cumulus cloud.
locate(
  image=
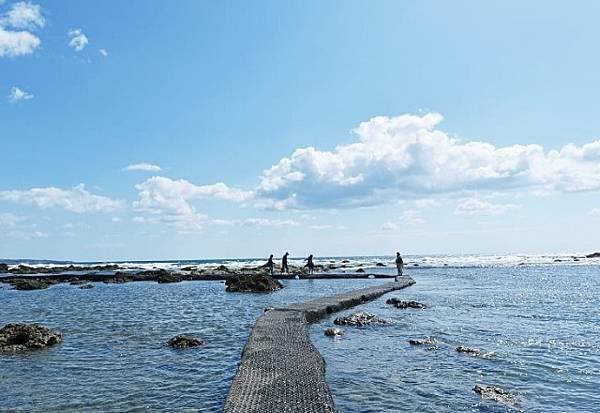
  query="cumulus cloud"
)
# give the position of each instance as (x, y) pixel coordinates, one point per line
(18, 95)
(474, 206)
(103, 52)
(77, 39)
(23, 15)
(76, 199)
(143, 166)
(407, 157)
(595, 212)
(10, 220)
(16, 29)
(171, 201)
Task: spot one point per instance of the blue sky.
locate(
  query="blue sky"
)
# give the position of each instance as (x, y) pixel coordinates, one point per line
(331, 128)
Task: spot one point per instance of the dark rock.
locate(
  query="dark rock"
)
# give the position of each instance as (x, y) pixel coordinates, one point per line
(19, 337)
(360, 270)
(86, 286)
(593, 255)
(252, 283)
(415, 265)
(396, 302)
(333, 332)
(497, 394)
(429, 341)
(359, 320)
(29, 284)
(3, 268)
(185, 342)
(380, 264)
(153, 273)
(345, 261)
(118, 279)
(168, 278)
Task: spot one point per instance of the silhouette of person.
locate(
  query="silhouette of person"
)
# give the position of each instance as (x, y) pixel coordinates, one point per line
(284, 263)
(270, 265)
(399, 265)
(310, 264)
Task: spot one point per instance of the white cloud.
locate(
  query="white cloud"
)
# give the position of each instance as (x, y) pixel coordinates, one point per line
(408, 218)
(273, 223)
(10, 220)
(23, 15)
(103, 52)
(406, 157)
(76, 199)
(27, 235)
(77, 40)
(18, 95)
(116, 219)
(16, 27)
(594, 212)
(143, 166)
(474, 206)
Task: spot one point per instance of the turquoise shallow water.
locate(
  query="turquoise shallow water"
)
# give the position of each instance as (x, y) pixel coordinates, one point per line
(541, 324)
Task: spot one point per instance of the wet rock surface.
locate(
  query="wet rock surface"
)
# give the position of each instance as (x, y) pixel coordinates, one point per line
(593, 255)
(359, 320)
(185, 342)
(252, 283)
(468, 350)
(497, 394)
(20, 337)
(398, 303)
(169, 278)
(86, 286)
(333, 332)
(29, 284)
(3, 268)
(427, 341)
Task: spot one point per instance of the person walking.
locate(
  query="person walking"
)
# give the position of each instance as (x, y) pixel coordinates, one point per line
(310, 264)
(270, 265)
(284, 263)
(399, 265)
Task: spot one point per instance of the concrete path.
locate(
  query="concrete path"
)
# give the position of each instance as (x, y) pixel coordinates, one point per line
(281, 370)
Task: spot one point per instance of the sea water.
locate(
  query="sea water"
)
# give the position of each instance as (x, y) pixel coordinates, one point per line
(535, 320)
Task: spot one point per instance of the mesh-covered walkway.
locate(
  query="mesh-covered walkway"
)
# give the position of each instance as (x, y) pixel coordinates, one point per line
(281, 370)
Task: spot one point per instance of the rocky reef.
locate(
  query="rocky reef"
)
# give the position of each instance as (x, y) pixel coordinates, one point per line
(252, 283)
(20, 337)
(360, 319)
(398, 303)
(185, 342)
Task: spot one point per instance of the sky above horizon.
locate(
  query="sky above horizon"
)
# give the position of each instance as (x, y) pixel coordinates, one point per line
(187, 130)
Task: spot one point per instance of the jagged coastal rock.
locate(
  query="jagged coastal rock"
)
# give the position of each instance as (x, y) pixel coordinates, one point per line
(19, 337)
(252, 283)
(428, 341)
(359, 320)
(593, 255)
(497, 394)
(169, 278)
(185, 342)
(398, 303)
(333, 332)
(3, 268)
(27, 285)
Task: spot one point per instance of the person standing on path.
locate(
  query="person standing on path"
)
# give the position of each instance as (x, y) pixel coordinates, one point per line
(310, 264)
(284, 263)
(399, 265)
(270, 265)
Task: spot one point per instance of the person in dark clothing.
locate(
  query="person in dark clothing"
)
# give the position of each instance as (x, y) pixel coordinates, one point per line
(284, 263)
(399, 265)
(270, 265)
(310, 264)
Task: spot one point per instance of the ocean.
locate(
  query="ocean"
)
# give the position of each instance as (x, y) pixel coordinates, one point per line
(534, 319)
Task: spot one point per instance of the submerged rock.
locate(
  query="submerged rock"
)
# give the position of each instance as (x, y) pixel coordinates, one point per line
(333, 332)
(118, 279)
(468, 350)
(380, 264)
(27, 285)
(3, 268)
(19, 337)
(185, 342)
(360, 270)
(252, 283)
(497, 394)
(359, 319)
(428, 341)
(398, 303)
(86, 286)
